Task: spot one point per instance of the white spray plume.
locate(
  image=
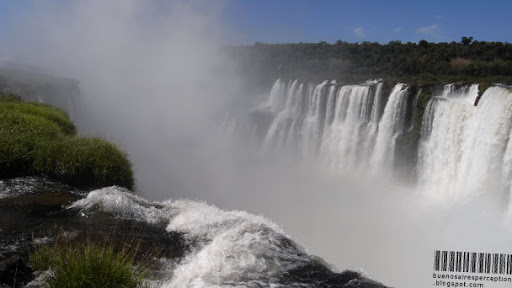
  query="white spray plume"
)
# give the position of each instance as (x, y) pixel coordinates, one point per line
(154, 78)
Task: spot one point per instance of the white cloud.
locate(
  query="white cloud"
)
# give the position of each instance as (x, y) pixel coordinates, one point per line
(429, 30)
(397, 30)
(359, 32)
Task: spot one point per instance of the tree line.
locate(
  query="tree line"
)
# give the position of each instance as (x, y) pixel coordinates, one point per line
(466, 59)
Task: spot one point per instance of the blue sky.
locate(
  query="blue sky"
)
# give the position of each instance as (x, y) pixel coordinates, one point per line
(284, 21)
(278, 21)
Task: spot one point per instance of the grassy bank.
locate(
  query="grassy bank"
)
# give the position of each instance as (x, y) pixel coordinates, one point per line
(37, 139)
(88, 265)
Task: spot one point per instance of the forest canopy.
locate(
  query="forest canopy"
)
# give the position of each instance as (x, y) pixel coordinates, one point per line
(466, 59)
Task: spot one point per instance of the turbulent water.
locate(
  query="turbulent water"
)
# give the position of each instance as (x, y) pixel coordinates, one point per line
(459, 154)
(202, 245)
(231, 248)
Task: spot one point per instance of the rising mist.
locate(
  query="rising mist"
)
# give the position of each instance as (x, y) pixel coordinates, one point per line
(153, 78)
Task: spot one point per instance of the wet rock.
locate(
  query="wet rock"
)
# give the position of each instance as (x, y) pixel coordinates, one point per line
(14, 272)
(34, 211)
(316, 274)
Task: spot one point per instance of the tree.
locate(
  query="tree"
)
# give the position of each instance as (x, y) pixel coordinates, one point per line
(466, 40)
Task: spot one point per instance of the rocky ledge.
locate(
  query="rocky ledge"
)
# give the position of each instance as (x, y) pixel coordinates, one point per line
(36, 210)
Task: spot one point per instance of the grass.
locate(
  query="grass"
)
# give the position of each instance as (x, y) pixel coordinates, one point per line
(37, 139)
(88, 265)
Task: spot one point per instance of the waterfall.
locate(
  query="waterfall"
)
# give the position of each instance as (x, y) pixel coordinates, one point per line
(277, 133)
(391, 125)
(465, 149)
(276, 101)
(444, 127)
(349, 127)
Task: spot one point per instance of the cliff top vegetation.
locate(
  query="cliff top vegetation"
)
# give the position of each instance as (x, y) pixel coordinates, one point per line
(465, 61)
(38, 139)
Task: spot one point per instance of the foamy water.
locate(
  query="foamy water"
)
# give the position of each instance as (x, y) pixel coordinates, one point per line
(230, 247)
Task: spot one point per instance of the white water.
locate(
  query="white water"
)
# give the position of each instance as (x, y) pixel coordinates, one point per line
(231, 247)
(391, 125)
(351, 127)
(388, 231)
(464, 178)
(464, 153)
(464, 149)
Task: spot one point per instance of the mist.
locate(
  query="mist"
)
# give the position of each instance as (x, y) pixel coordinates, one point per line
(155, 79)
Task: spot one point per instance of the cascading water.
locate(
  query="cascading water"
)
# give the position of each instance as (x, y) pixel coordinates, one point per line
(391, 125)
(311, 130)
(348, 127)
(464, 150)
(351, 119)
(445, 124)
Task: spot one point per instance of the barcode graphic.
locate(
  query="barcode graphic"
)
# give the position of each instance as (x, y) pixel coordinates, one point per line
(473, 262)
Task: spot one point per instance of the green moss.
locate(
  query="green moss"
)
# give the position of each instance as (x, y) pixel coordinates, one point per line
(88, 265)
(37, 139)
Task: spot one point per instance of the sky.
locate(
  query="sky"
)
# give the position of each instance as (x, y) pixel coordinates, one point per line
(286, 21)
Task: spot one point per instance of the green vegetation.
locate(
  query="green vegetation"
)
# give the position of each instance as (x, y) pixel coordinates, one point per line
(37, 139)
(88, 265)
(467, 60)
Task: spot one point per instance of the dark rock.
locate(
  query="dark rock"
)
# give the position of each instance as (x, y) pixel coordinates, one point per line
(316, 274)
(14, 272)
(34, 211)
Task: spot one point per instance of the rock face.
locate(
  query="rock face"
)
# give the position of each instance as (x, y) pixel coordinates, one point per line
(36, 210)
(316, 274)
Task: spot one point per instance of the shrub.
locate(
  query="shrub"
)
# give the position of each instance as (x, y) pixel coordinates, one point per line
(88, 265)
(55, 115)
(20, 134)
(37, 139)
(81, 161)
